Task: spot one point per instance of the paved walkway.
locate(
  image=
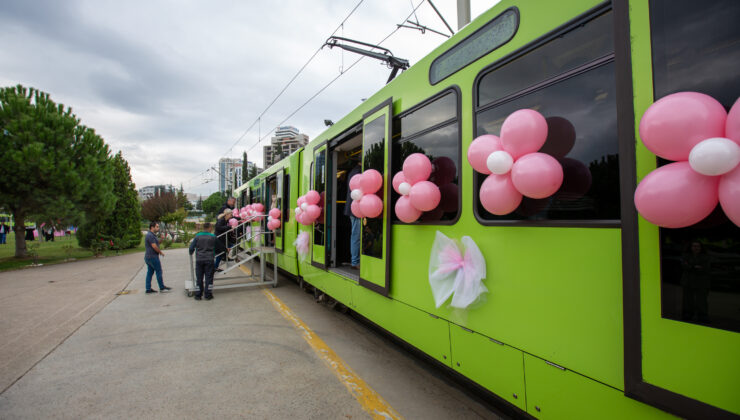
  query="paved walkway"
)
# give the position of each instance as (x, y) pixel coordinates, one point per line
(168, 356)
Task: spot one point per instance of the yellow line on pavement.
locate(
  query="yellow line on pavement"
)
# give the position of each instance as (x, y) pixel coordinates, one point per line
(366, 396)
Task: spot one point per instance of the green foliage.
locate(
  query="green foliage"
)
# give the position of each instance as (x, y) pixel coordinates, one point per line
(121, 225)
(155, 208)
(213, 203)
(54, 169)
(245, 168)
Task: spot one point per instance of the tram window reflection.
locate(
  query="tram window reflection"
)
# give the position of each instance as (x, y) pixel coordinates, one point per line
(440, 142)
(373, 157)
(582, 134)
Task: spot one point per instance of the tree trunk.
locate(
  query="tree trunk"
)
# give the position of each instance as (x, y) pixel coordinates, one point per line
(20, 235)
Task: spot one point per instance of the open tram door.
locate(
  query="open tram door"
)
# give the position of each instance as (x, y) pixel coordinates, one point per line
(318, 184)
(274, 199)
(375, 237)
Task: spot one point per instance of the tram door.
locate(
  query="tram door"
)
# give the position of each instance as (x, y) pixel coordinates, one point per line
(276, 201)
(318, 184)
(375, 237)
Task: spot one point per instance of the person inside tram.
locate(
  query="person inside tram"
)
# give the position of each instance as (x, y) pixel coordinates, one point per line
(355, 235)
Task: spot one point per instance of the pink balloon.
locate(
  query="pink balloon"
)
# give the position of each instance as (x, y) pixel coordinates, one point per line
(300, 201)
(676, 123)
(270, 225)
(313, 211)
(276, 223)
(275, 213)
(299, 218)
(498, 195)
(425, 195)
(444, 170)
(356, 210)
(371, 206)
(729, 194)
(233, 222)
(235, 213)
(537, 175)
(732, 125)
(676, 196)
(313, 197)
(479, 150)
(371, 181)
(405, 211)
(523, 132)
(449, 201)
(354, 182)
(398, 179)
(417, 167)
(259, 207)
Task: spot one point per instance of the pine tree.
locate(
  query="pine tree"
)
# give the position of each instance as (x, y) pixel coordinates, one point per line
(54, 169)
(245, 168)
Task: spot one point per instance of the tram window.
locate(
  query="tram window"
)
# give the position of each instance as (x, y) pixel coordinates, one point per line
(435, 133)
(486, 39)
(286, 198)
(695, 48)
(373, 152)
(439, 111)
(319, 185)
(587, 104)
(569, 51)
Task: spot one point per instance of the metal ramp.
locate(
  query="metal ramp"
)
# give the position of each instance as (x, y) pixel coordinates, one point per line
(244, 246)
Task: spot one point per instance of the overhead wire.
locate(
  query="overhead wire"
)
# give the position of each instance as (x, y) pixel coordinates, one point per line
(332, 81)
(295, 76)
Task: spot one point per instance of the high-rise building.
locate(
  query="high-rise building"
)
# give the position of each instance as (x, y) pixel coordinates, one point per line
(227, 167)
(287, 140)
(152, 190)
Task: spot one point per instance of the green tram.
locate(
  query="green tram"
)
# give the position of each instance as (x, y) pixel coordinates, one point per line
(584, 315)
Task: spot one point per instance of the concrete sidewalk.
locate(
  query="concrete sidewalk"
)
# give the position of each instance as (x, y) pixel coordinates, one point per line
(168, 356)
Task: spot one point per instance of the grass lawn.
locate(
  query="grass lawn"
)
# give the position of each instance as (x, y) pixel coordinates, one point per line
(60, 250)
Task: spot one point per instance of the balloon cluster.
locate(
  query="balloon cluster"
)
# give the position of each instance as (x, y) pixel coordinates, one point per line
(417, 193)
(251, 210)
(513, 164)
(695, 131)
(273, 219)
(363, 187)
(309, 210)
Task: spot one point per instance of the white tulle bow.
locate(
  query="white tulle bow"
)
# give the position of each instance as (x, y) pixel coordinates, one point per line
(454, 273)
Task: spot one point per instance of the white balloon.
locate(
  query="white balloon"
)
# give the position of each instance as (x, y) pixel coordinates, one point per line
(304, 206)
(715, 156)
(356, 194)
(499, 162)
(404, 188)
(298, 211)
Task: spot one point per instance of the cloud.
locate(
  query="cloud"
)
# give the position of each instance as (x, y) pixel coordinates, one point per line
(174, 85)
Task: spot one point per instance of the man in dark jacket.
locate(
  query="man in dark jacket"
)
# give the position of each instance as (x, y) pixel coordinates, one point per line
(204, 245)
(230, 203)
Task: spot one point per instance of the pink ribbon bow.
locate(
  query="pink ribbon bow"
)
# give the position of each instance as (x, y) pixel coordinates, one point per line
(454, 273)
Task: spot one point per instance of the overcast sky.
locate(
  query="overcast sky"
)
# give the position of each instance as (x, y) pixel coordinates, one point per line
(174, 84)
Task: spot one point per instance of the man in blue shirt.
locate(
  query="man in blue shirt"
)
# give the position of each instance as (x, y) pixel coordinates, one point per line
(205, 245)
(354, 244)
(151, 257)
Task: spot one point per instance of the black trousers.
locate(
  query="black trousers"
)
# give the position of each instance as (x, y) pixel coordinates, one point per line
(204, 271)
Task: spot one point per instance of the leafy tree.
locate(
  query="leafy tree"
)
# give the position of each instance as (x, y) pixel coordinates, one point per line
(199, 204)
(182, 200)
(213, 203)
(54, 169)
(173, 220)
(154, 208)
(252, 172)
(121, 225)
